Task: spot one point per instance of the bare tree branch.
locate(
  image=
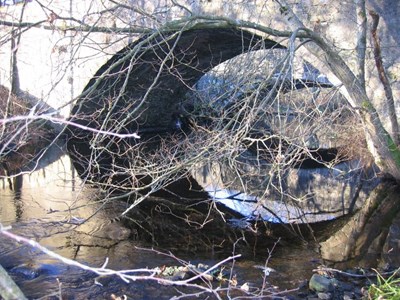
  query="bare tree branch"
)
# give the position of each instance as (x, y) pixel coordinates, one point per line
(361, 40)
(126, 275)
(66, 122)
(384, 78)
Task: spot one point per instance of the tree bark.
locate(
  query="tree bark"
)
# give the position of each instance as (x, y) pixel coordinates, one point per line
(361, 40)
(383, 77)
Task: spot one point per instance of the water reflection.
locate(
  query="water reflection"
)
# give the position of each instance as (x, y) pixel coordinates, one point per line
(47, 203)
(37, 194)
(50, 205)
(53, 207)
(298, 195)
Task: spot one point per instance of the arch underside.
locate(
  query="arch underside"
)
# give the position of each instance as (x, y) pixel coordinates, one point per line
(148, 79)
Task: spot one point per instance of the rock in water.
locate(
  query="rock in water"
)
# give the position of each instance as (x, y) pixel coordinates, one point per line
(320, 284)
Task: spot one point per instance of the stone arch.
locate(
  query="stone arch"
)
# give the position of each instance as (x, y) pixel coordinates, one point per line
(161, 69)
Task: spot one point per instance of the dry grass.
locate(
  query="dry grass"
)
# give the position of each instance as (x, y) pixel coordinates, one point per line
(354, 143)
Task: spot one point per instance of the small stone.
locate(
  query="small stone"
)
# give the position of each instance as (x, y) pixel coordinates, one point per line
(348, 287)
(245, 287)
(320, 284)
(179, 275)
(324, 296)
(347, 297)
(335, 282)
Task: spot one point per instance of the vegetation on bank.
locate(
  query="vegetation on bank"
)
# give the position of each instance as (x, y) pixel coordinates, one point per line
(385, 288)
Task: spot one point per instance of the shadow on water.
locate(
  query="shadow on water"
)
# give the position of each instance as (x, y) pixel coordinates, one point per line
(53, 207)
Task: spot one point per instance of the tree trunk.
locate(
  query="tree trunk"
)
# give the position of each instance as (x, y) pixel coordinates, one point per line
(380, 143)
(384, 78)
(365, 233)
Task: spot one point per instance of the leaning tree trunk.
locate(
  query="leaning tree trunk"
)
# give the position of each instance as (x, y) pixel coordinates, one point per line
(380, 143)
(362, 238)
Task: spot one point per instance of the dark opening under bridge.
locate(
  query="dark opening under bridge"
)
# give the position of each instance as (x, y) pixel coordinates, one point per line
(143, 84)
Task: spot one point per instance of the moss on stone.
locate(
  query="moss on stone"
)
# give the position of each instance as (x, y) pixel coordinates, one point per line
(366, 105)
(394, 150)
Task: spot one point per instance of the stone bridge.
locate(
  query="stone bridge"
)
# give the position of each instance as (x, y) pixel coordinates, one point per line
(141, 90)
(141, 87)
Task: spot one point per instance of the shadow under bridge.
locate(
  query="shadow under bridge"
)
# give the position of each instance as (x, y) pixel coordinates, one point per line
(141, 89)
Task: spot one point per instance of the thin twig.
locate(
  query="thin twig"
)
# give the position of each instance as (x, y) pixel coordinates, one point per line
(69, 123)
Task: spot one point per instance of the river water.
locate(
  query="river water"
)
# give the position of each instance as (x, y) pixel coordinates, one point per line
(52, 207)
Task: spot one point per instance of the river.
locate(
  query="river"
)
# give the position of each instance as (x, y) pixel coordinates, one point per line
(51, 206)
